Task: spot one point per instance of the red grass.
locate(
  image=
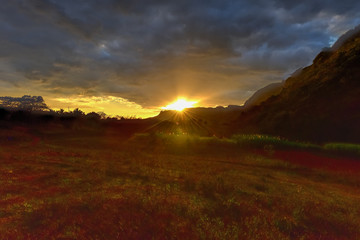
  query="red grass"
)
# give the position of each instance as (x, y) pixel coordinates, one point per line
(62, 190)
(313, 160)
(11, 201)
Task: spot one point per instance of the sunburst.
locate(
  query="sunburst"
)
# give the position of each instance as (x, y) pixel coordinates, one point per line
(180, 104)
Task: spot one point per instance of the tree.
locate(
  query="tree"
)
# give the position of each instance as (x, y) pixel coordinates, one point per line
(26, 102)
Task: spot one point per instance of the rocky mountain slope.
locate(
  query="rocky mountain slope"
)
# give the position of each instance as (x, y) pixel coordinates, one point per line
(321, 102)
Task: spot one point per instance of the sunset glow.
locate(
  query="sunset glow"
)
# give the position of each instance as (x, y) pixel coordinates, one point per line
(111, 105)
(180, 104)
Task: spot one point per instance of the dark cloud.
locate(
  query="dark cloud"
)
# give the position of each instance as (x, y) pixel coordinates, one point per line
(151, 51)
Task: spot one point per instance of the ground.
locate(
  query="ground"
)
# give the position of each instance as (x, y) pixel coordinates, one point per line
(66, 184)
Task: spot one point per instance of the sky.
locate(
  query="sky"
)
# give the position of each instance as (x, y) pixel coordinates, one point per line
(131, 58)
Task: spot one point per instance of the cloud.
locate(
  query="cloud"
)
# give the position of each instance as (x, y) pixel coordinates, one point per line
(150, 52)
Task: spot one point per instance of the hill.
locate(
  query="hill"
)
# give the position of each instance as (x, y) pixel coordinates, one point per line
(321, 102)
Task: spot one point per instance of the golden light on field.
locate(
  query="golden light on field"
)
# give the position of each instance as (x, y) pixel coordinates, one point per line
(180, 104)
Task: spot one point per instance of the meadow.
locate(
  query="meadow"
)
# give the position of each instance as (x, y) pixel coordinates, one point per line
(95, 184)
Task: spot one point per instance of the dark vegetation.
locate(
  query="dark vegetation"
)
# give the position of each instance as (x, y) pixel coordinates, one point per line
(26, 102)
(72, 120)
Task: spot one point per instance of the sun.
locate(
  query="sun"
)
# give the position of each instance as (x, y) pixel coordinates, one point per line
(180, 104)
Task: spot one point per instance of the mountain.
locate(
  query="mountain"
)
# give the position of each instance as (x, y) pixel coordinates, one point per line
(319, 103)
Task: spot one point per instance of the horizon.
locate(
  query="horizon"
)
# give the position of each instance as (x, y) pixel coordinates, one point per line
(174, 106)
(137, 58)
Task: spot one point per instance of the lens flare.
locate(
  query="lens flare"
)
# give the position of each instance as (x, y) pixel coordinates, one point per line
(180, 104)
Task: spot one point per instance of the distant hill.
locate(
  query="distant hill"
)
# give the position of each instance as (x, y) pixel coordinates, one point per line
(321, 102)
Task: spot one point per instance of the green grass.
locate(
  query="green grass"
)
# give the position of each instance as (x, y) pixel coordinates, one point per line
(183, 142)
(343, 148)
(275, 142)
(167, 187)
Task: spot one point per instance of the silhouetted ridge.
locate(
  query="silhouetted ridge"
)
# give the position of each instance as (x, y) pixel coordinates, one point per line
(321, 102)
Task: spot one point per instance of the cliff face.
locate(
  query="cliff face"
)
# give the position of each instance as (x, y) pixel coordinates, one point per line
(321, 102)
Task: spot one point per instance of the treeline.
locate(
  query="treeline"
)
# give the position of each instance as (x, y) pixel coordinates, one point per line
(70, 119)
(33, 109)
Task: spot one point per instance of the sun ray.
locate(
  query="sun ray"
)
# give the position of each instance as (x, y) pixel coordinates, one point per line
(180, 104)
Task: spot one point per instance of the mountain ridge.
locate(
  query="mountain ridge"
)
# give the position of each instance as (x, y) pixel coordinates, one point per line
(321, 101)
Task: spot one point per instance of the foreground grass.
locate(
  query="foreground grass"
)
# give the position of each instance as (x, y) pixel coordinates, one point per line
(97, 187)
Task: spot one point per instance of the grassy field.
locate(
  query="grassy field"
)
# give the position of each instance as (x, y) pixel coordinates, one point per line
(58, 184)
